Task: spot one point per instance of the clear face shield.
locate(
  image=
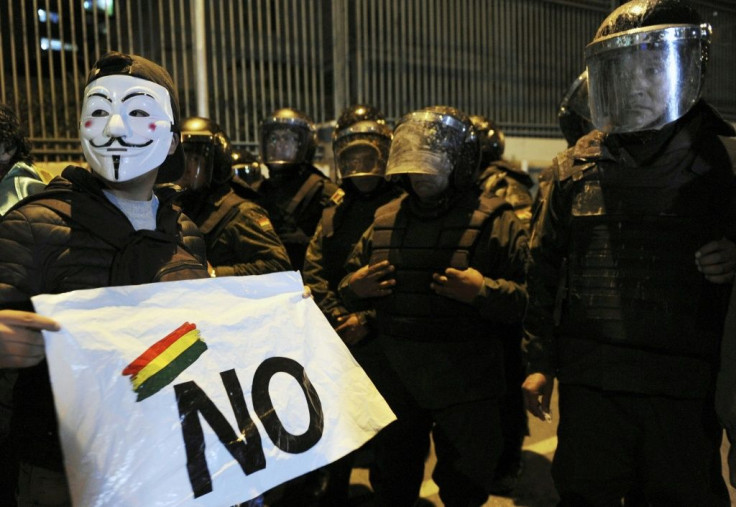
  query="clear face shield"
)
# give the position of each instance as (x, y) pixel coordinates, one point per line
(358, 160)
(250, 172)
(426, 143)
(645, 78)
(362, 150)
(284, 142)
(198, 159)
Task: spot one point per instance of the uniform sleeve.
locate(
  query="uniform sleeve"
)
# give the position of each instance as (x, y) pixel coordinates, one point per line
(315, 277)
(503, 297)
(359, 257)
(258, 249)
(192, 238)
(544, 276)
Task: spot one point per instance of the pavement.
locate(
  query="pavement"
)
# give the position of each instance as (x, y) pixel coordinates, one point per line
(535, 487)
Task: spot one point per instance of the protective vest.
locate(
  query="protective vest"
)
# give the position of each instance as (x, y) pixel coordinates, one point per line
(290, 232)
(419, 247)
(342, 227)
(630, 276)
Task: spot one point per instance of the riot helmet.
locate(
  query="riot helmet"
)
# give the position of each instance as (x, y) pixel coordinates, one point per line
(361, 149)
(207, 154)
(574, 111)
(355, 113)
(646, 65)
(492, 139)
(246, 166)
(437, 140)
(288, 137)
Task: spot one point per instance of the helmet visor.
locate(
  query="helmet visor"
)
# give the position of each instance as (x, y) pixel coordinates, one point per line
(360, 158)
(426, 143)
(197, 162)
(285, 141)
(644, 79)
(250, 173)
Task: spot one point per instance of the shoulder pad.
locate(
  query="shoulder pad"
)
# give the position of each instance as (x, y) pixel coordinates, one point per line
(569, 167)
(589, 145)
(489, 204)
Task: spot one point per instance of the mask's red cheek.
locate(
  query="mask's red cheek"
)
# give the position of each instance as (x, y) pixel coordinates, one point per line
(88, 124)
(152, 127)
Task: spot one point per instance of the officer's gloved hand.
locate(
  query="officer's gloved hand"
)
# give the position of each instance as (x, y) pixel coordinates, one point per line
(462, 285)
(369, 282)
(717, 260)
(21, 342)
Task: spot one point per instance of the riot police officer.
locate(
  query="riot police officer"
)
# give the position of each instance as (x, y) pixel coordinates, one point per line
(498, 176)
(361, 152)
(247, 168)
(295, 192)
(238, 233)
(504, 179)
(573, 114)
(630, 251)
(443, 268)
(356, 113)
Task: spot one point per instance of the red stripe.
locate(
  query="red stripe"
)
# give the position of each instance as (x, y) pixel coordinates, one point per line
(154, 350)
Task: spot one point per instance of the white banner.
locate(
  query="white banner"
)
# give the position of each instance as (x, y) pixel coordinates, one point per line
(201, 392)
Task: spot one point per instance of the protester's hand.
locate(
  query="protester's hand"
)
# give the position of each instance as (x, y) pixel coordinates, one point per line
(368, 281)
(537, 389)
(717, 260)
(462, 285)
(351, 329)
(21, 342)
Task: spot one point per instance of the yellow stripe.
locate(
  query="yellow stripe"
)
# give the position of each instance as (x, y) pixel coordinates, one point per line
(164, 358)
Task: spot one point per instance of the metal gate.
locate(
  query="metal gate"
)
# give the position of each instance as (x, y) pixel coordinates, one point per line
(237, 61)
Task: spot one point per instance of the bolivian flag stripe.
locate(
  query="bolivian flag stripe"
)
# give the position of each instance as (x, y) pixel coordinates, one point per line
(167, 356)
(165, 360)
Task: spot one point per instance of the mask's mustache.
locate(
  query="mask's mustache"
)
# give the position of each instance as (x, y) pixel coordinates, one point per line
(121, 141)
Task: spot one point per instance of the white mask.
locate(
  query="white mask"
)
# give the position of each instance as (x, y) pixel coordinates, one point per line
(125, 126)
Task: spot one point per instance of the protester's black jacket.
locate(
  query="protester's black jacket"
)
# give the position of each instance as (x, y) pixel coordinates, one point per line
(44, 252)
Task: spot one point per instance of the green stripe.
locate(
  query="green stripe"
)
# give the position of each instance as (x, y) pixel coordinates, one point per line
(164, 377)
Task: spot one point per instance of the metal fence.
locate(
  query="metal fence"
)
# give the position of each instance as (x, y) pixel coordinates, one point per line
(236, 62)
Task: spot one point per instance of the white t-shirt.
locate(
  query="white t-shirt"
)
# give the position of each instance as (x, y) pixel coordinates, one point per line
(142, 214)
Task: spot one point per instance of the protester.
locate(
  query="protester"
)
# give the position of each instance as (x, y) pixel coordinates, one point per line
(91, 229)
(18, 177)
